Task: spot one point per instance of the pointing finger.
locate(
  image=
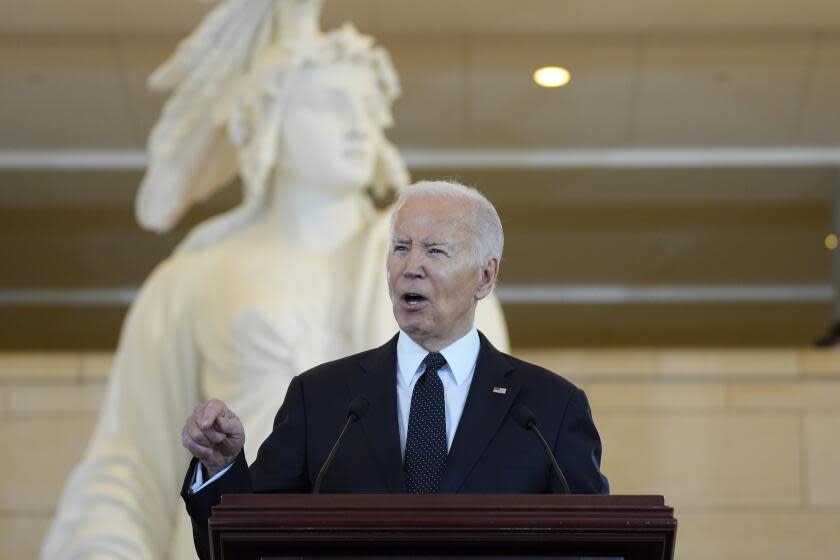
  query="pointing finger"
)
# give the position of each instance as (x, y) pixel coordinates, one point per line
(212, 410)
(230, 425)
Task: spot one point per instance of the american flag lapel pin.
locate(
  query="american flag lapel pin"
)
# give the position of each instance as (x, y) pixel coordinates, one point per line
(500, 390)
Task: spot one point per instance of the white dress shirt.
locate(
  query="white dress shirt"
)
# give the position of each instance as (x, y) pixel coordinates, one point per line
(456, 377)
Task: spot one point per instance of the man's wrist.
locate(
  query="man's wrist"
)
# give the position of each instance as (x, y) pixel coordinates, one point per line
(213, 471)
(204, 476)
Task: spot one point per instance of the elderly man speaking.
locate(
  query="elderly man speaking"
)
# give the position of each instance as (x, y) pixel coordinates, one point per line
(436, 409)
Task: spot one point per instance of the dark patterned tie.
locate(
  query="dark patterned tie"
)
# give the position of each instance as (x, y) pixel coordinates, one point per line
(425, 444)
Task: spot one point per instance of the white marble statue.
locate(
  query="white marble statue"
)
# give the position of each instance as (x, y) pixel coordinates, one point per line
(291, 278)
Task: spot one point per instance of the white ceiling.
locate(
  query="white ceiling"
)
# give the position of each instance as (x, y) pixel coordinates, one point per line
(674, 90)
(444, 15)
(645, 74)
(673, 73)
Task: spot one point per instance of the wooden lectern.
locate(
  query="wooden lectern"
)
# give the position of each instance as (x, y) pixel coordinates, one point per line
(265, 526)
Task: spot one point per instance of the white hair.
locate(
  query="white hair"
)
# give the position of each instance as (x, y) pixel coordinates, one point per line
(488, 236)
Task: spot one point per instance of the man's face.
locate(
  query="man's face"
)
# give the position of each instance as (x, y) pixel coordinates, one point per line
(433, 279)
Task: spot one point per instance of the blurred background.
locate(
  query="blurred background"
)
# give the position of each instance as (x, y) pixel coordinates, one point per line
(670, 216)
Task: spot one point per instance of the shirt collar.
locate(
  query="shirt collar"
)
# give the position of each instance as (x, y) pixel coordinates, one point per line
(460, 356)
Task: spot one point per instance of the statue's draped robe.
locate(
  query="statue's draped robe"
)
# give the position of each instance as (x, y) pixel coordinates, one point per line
(235, 321)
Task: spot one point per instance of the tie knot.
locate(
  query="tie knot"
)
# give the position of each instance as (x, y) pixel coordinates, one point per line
(434, 361)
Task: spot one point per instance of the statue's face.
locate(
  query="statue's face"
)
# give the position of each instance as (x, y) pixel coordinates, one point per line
(329, 137)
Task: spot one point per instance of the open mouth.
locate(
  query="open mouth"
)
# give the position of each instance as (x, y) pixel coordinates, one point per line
(413, 299)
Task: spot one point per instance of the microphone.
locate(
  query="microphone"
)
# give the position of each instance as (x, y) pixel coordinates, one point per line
(355, 411)
(525, 418)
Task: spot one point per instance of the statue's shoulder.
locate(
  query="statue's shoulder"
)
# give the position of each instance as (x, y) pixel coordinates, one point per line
(181, 263)
(177, 275)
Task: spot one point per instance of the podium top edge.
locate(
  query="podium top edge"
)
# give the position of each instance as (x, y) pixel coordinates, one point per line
(448, 501)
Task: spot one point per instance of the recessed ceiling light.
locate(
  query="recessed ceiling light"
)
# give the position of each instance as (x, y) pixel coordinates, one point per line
(552, 76)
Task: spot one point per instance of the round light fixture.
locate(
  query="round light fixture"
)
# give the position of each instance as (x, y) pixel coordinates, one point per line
(552, 76)
(831, 242)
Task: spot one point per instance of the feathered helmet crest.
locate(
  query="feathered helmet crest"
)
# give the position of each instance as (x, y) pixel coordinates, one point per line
(242, 53)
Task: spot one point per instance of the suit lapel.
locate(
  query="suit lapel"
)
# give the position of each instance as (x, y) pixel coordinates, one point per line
(483, 413)
(376, 380)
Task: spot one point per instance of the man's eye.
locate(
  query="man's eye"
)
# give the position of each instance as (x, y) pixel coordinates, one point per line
(436, 251)
(400, 248)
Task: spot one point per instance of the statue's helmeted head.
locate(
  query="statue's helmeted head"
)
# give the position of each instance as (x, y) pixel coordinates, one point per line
(316, 108)
(260, 91)
(330, 129)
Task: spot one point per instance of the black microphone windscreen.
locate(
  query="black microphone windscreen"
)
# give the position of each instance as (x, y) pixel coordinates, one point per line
(523, 416)
(358, 407)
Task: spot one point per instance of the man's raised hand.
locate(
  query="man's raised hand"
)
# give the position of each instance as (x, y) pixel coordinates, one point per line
(214, 435)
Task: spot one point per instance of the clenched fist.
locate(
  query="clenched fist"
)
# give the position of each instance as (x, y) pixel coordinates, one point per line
(214, 435)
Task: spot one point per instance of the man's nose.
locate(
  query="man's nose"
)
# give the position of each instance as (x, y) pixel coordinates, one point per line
(413, 264)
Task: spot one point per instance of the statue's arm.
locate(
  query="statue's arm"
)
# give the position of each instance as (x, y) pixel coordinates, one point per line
(121, 500)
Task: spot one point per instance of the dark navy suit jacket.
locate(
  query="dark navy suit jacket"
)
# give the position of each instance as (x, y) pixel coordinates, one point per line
(490, 452)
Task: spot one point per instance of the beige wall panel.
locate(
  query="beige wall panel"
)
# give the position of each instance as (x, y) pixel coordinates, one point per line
(823, 459)
(30, 190)
(648, 396)
(664, 244)
(807, 396)
(644, 255)
(21, 535)
(577, 364)
(160, 15)
(54, 15)
(579, 15)
(45, 451)
(727, 187)
(506, 108)
(43, 366)
(730, 364)
(100, 15)
(62, 92)
(821, 111)
(614, 326)
(433, 15)
(758, 535)
(820, 363)
(150, 15)
(704, 460)
(359, 12)
(431, 112)
(454, 15)
(55, 398)
(96, 365)
(721, 91)
(103, 15)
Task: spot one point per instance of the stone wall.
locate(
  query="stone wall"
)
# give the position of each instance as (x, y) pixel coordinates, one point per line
(48, 407)
(743, 444)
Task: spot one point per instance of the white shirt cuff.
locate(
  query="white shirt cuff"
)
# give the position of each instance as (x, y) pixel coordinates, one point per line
(198, 480)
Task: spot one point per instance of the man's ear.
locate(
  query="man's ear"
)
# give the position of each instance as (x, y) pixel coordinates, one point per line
(489, 272)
